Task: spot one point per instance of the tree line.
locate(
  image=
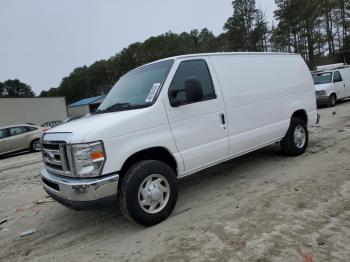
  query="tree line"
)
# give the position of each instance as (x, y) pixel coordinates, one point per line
(15, 88)
(317, 29)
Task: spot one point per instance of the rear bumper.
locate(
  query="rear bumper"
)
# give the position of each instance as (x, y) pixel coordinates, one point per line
(322, 100)
(81, 193)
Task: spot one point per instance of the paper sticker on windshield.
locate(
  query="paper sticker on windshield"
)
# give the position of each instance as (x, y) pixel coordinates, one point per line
(152, 93)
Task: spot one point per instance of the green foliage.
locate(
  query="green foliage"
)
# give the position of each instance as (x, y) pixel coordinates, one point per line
(314, 28)
(98, 78)
(247, 28)
(15, 88)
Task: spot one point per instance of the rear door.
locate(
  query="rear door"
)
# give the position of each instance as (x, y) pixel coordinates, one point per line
(339, 85)
(4, 141)
(19, 137)
(199, 128)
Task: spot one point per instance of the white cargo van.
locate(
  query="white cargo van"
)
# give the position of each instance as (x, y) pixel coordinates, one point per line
(332, 85)
(172, 118)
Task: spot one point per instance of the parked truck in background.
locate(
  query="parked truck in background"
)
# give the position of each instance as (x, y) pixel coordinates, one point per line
(172, 118)
(332, 84)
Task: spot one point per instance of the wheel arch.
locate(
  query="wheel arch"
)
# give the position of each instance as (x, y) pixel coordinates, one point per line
(301, 114)
(333, 93)
(152, 153)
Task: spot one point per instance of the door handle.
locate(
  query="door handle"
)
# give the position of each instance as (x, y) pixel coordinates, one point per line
(223, 120)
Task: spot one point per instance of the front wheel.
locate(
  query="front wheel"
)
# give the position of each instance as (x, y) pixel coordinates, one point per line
(148, 192)
(332, 100)
(296, 140)
(35, 146)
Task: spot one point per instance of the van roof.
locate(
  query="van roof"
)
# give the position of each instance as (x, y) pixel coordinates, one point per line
(321, 72)
(329, 70)
(221, 54)
(230, 53)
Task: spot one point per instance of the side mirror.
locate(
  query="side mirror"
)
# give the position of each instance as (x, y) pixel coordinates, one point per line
(191, 93)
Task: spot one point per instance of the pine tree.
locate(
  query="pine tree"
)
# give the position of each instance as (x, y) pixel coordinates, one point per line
(241, 26)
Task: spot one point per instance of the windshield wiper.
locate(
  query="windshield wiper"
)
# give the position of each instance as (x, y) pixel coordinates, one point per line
(119, 107)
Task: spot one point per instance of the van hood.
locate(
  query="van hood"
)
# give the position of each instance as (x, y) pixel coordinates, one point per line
(323, 87)
(109, 125)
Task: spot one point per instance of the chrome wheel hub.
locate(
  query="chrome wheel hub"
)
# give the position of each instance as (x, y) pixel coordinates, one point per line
(299, 137)
(154, 193)
(37, 146)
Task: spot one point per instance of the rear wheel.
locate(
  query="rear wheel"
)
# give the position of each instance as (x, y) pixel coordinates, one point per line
(35, 146)
(332, 100)
(296, 140)
(148, 192)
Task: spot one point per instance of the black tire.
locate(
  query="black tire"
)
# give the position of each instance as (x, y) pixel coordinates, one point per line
(332, 100)
(33, 146)
(289, 145)
(131, 182)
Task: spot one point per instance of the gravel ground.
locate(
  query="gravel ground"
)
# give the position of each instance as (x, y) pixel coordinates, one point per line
(260, 207)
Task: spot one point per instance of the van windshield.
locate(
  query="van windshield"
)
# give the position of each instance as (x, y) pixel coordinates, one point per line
(137, 89)
(322, 78)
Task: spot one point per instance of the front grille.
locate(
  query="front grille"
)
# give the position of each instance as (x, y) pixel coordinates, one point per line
(55, 156)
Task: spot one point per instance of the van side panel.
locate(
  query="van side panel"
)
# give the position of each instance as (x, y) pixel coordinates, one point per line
(261, 93)
(345, 72)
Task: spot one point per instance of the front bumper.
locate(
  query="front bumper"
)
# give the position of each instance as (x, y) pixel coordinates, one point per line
(322, 100)
(81, 193)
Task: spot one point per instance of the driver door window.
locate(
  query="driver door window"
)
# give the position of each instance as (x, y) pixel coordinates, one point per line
(193, 69)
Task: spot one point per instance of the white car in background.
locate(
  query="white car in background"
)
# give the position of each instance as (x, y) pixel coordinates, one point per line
(332, 85)
(19, 138)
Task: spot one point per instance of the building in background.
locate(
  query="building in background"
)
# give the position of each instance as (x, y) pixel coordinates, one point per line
(85, 106)
(34, 110)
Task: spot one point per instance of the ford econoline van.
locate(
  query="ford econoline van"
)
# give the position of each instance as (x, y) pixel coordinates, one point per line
(172, 118)
(332, 85)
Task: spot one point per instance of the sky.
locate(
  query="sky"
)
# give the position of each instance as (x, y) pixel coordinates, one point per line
(42, 41)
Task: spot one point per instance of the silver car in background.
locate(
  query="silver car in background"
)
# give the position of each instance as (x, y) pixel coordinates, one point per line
(20, 137)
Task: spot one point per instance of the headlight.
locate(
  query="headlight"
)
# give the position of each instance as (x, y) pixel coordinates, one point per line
(321, 93)
(88, 159)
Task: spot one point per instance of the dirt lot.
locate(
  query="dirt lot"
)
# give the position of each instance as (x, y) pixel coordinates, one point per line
(260, 207)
